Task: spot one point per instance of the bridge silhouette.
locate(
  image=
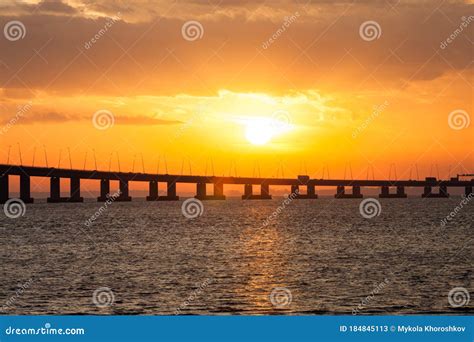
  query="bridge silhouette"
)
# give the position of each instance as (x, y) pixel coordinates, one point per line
(432, 187)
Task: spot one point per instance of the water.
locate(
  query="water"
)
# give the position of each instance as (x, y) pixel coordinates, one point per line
(321, 255)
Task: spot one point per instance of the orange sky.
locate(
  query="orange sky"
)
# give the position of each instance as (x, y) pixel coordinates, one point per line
(318, 94)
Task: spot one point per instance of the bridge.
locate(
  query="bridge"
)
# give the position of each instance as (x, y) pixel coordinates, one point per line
(432, 187)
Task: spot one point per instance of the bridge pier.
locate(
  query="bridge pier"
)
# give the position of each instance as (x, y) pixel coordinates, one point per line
(75, 190)
(55, 191)
(468, 191)
(152, 191)
(385, 192)
(218, 192)
(124, 196)
(310, 192)
(170, 193)
(428, 192)
(341, 192)
(104, 190)
(25, 191)
(264, 192)
(4, 191)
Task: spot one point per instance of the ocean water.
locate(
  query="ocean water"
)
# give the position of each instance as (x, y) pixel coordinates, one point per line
(311, 257)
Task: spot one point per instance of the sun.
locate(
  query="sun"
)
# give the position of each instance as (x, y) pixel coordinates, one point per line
(258, 132)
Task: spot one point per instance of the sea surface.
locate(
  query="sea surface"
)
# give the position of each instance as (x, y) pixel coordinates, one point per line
(239, 257)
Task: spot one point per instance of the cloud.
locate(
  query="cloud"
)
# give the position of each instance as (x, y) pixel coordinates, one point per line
(55, 118)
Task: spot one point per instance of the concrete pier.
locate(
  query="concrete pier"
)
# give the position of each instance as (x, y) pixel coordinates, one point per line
(202, 195)
(385, 192)
(468, 191)
(310, 192)
(25, 191)
(75, 190)
(170, 194)
(152, 191)
(264, 192)
(55, 191)
(428, 192)
(4, 191)
(124, 196)
(341, 192)
(104, 190)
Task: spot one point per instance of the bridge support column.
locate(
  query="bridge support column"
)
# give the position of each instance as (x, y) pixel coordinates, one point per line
(104, 190)
(75, 194)
(203, 196)
(200, 191)
(25, 192)
(310, 192)
(295, 189)
(264, 192)
(341, 193)
(55, 190)
(248, 191)
(428, 192)
(153, 191)
(219, 191)
(385, 192)
(123, 197)
(4, 191)
(170, 193)
(468, 191)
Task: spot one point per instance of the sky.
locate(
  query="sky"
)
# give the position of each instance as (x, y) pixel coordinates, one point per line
(270, 88)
